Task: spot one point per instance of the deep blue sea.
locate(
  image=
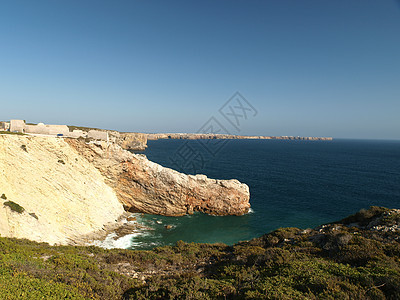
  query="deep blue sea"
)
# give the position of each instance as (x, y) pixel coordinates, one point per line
(292, 183)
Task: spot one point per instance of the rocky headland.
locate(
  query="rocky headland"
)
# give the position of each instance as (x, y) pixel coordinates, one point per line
(144, 186)
(59, 190)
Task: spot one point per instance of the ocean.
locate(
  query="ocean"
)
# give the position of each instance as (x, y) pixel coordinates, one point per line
(292, 183)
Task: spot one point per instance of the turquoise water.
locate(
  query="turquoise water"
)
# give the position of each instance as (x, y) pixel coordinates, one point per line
(292, 183)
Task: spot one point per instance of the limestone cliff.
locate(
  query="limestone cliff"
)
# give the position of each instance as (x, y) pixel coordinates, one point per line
(127, 140)
(148, 187)
(60, 195)
(132, 141)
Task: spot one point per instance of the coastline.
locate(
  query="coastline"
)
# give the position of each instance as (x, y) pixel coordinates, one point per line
(211, 136)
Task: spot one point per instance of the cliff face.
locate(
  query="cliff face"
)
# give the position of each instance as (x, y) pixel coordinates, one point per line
(132, 141)
(148, 187)
(60, 195)
(127, 140)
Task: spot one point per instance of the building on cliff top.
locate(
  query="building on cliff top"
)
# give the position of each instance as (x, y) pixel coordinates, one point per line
(53, 130)
(47, 129)
(21, 127)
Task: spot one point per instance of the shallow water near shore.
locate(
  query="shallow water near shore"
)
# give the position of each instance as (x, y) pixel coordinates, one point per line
(292, 184)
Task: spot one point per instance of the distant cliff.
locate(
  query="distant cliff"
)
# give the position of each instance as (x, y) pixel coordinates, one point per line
(207, 136)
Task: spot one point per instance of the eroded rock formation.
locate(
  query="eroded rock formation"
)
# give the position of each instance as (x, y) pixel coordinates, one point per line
(145, 186)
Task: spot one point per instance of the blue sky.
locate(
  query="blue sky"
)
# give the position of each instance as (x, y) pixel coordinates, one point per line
(310, 68)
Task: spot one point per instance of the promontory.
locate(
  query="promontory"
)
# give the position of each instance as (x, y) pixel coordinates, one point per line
(57, 189)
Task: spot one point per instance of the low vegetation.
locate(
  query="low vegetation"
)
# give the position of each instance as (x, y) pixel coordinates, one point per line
(72, 128)
(350, 259)
(34, 216)
(9, 132)
(14, 206)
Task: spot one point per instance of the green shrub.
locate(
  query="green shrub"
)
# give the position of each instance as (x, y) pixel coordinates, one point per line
(364, 216)
(14, 206)
(34, 215)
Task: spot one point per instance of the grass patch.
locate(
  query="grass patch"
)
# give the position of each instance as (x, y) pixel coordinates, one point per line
(72, 128)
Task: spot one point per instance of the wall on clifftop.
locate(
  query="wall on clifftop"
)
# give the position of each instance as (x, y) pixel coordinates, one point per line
(62, 194)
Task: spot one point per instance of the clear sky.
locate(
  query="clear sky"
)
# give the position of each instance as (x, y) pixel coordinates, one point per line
(310, 68)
